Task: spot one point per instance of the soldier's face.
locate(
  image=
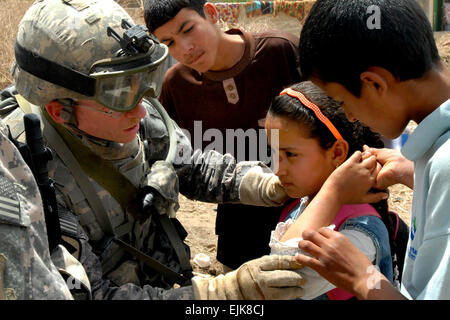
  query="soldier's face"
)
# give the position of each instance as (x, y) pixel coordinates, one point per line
(122, 127)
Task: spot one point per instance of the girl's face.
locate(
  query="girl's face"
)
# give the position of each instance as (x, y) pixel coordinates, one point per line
(303, 164)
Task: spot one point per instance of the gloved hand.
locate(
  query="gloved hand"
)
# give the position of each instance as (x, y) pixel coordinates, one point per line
(160, 190)
(268, 277)
(259, 188)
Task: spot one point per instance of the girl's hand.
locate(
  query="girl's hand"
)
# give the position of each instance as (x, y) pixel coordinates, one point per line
(354, 178)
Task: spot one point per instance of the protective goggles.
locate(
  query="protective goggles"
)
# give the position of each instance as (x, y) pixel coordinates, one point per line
(296, 94)
(117, 83)
(122, 82)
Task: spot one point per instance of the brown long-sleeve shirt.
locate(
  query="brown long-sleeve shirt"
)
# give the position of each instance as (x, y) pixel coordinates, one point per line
(235, 98)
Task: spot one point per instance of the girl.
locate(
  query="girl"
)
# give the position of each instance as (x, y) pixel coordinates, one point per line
(315, 138)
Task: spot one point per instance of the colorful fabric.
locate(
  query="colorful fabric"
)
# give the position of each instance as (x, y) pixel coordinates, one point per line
(229, 11)
(293, 8)
(257, 8)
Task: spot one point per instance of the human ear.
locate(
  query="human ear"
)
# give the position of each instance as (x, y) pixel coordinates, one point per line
(375, 79)
(54, 109)
(339, 152)
(210, 12)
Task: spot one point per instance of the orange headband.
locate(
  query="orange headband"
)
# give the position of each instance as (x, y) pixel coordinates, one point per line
(313, 107)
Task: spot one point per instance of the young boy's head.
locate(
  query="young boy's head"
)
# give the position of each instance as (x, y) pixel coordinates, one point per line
(188, 28)
(159, 12)
(361, 51)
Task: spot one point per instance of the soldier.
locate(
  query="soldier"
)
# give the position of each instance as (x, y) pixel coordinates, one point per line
(87, 83)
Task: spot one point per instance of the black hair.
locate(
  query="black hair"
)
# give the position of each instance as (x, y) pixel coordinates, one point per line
(340, 40)
(159, 12)
(356, 135)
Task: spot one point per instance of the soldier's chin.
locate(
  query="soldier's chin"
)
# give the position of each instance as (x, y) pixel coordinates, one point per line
(126, 138)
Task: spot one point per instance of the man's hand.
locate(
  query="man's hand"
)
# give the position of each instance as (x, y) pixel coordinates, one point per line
(261, 188)
(395, 168)
(160, 190)
(336, 259)
(268, 277)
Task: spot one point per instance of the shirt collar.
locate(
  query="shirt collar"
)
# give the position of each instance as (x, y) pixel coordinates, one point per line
(427, 132)
(249, 53)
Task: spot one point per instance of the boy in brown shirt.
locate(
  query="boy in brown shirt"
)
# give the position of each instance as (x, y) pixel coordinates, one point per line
(223, 84)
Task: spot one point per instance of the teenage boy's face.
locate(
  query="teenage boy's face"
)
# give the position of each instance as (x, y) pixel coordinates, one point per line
(378, 114)
(192, 39)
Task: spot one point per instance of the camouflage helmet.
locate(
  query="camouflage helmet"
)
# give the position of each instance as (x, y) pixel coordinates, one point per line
(68, 34)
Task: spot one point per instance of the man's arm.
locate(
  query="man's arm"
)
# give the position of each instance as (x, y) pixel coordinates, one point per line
(211, 176)
(104, 289)
(214, 177)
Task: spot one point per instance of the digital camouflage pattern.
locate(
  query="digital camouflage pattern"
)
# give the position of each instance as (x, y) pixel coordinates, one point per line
(66, 32)
(28, 272)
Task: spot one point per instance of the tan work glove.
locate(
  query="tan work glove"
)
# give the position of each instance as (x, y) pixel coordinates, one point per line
(261, 188)
(265, 278)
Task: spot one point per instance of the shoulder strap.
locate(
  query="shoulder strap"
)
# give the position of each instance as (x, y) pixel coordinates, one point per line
(349, 211)
(78, 173)
(152, 263)
(176, 242)
(288, 208)
(94, 166)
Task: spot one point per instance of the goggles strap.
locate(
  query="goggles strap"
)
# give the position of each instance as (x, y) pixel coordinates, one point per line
(296, 94)
(54, 73)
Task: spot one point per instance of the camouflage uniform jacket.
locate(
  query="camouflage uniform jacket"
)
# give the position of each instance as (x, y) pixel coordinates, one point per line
(26, 268)
(210, 177)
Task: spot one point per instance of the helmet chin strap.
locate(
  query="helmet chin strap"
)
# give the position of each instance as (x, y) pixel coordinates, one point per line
(68, 115)
(68, 111)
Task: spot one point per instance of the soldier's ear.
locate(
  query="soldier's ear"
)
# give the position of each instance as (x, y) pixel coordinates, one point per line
(54, 109)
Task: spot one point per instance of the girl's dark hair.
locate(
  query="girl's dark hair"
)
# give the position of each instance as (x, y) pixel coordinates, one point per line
(356, 134)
